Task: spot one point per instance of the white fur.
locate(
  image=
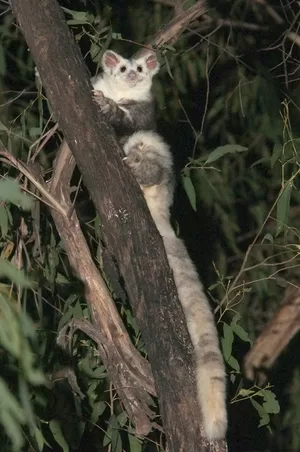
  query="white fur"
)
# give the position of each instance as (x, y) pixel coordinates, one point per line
(116, 85)
(159, 197)
(210, 373)
(212, 397)
(149, 139)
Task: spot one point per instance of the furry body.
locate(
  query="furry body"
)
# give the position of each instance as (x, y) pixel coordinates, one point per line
(150, 159)
(123, 91)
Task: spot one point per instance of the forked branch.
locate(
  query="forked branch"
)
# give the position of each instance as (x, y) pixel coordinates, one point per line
(130, 373)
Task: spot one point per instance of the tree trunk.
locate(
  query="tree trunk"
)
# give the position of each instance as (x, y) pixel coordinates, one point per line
(128, 230)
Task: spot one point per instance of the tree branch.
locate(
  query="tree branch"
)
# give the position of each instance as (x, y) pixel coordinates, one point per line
(171, 32)
(128, 371)
(128, 230)
(275, 337)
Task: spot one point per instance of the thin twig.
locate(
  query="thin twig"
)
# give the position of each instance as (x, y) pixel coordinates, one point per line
(26, 171)
(242, 269)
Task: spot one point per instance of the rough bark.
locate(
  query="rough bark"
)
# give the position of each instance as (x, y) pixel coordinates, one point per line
(128, 230)
(129, 372)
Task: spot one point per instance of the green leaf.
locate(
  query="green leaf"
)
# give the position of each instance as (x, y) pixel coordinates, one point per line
(135, 443)
(122, 418)
(227, 341)
(268, 237)
(14, 329)
(72, 12)
(77, 310)
(9, 271)
(237, 316)
(261, 411)
(35, 132)
(234, 363)
(107, 436)
(33, 374)
(270, 404)
(79, 15)
(85, 367)
(58, 435)
(116, 441)
(259, 161)
(283, 206)
(9, 329)
(111, 435)
(264, 417)
(245, 392)
(117, 36)
(61, 279)
(65, 318)
(39, 437)
(168, 67)
(25, 399)
(77, 21)
(94, 50)
(11, 416)
(223, 150)
(216, 108)
(97, 409)
(27, 326)
(277, 151)
(10, 192)
(241, 333)
(91, 19)
(190, 190)
(3, 220)
(99, 372)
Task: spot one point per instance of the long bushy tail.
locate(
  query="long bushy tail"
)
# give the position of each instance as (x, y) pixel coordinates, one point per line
(151, 161)
(210, 371)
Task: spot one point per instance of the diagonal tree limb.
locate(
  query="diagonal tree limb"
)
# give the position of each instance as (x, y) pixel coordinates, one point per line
(183, 18)
(129, 372)
(170, 32)
(128, 230)
(134, 377)
(275, 337)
